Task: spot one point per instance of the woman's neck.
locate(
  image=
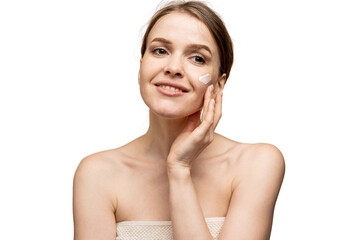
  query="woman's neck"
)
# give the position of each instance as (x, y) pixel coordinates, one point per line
(161, 134)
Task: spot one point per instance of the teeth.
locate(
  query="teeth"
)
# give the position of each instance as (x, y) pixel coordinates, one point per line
(170, 88)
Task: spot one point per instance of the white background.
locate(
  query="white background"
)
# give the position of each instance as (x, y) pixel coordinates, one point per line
(68, 72)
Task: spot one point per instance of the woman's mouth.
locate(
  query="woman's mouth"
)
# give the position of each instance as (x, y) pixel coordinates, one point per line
(171, 88)
(170, 91)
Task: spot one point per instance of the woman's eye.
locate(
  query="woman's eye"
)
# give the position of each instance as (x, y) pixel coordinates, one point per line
(198, 59)
(159, 51)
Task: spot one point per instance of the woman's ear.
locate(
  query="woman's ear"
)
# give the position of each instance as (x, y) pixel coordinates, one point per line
(220, 83)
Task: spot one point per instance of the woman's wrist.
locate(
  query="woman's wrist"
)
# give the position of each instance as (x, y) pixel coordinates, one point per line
(176, 169)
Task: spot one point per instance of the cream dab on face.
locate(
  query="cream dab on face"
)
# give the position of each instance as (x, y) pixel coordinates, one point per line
(205, 79)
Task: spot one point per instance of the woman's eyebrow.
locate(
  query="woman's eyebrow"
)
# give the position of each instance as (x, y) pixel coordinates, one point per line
(162, 40)
(200, 46)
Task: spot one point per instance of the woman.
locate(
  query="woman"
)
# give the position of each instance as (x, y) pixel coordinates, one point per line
(208, 186)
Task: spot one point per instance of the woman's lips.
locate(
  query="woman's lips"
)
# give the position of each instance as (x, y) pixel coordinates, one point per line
(169, 90)
(172, 84)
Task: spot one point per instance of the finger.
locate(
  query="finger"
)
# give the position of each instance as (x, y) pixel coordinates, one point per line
(206, 101)
(218, 108)
(208, 121)
(207, 98)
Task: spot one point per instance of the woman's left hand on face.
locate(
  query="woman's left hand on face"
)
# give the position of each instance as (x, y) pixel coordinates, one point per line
(195, 138)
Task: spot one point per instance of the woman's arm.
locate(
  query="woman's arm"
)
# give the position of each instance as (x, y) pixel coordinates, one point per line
(186, 215)
(254, 195)
(94, 217)
(188, 221)
(251, 209)
(252, 203)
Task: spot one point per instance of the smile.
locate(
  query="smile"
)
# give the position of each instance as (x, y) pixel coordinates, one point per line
(170, 88)
(170, 91)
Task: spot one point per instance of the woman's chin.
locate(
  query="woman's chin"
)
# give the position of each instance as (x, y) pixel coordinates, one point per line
(172, 114)
(169, 114)
(172, 110)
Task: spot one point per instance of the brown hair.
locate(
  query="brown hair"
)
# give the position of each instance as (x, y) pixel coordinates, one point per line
(210, 18)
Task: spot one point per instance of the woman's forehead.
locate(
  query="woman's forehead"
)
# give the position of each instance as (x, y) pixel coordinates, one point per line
(182, 28)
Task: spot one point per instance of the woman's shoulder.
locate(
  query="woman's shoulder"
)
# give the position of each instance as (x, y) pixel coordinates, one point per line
(112, 163)
(258, 161)
(95, 166)
(98, 160)
(264, 153)
(251, 154)
(103, 164)
(251, 163)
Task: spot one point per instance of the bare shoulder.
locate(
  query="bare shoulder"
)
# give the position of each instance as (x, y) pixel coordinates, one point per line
(260, 169)
(253, 162)
(104, 169)
(257, 154)
(97, 173)
(261, 153)
(260, 160)
(110, 160)
(244, 155)
(250, 153)
(94, 198)
(100, 164)
(265, 158)
(258, 176)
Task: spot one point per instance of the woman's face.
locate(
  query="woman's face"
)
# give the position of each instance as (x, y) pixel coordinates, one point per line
(180, 49)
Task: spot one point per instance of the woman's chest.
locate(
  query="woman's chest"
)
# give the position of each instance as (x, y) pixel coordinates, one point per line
(145, 197)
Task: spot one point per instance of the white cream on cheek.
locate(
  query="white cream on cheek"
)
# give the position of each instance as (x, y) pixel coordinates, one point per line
(205, 79)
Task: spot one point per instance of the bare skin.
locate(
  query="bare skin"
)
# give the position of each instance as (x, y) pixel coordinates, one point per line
(138, 188)
(180, 170)
(213, 183)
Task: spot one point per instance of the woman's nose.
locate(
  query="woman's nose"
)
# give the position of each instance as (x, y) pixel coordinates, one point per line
(174, 67)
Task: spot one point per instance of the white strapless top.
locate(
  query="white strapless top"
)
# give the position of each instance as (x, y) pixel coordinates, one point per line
(159, 230)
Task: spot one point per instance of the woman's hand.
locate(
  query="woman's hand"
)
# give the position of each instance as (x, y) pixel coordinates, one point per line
(196, 137)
